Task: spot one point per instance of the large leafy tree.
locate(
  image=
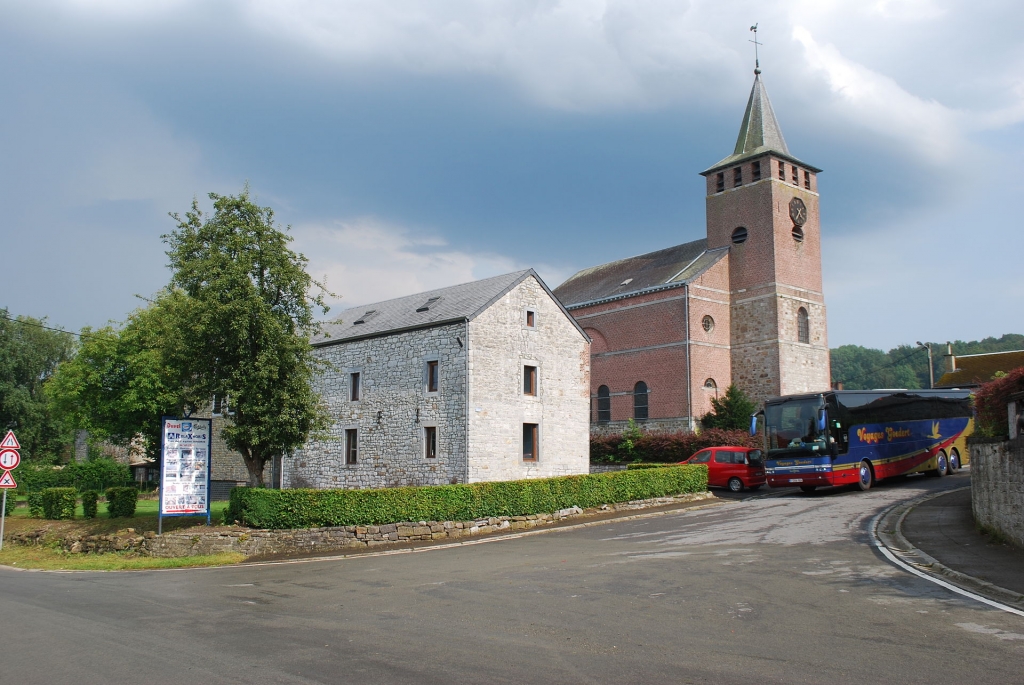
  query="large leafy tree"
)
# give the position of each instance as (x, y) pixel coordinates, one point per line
(731, 411)
(119, 383)
(29, 354)
(245, 319)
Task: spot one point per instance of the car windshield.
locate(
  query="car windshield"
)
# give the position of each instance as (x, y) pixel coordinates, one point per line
(794, 424)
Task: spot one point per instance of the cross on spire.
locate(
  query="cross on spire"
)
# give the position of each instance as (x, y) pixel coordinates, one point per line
(757, 61)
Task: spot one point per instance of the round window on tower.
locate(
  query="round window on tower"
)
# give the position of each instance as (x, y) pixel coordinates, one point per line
(739, 236)
(707, 323)
(798, 234)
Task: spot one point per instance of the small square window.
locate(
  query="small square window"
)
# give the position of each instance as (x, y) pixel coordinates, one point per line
(530, 442)
(782, 171)
(351, 446)
(353, 385)
(756, 171)
(531, 318)
(737, 176)
(720, 182)
(432, 376)
(430, 442)
(530, 380)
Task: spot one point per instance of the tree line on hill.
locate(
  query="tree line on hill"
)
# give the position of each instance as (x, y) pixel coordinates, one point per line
(905, 366)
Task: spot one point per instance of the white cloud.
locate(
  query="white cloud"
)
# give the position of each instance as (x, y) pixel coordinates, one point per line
(368, 260)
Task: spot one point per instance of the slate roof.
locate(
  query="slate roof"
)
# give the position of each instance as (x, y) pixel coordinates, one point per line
(760, 133)
(974, 369)
(432, 308)
(669, 268)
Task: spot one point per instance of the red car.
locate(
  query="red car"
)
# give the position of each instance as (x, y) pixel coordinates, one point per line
(735, 468)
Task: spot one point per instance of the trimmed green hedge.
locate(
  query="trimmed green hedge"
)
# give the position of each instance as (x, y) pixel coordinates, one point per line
(663, 447)
(90, 505)
(97, 474)
(263, 508)
(121, 502)
(59, 503)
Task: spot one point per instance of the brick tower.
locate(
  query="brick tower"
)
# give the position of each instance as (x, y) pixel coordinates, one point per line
(762, 204)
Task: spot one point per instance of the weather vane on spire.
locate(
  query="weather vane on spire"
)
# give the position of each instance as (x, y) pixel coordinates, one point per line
(757, 61)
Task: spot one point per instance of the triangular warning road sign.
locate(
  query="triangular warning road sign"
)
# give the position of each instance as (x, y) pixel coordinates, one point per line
(7, 480)
(10, 441)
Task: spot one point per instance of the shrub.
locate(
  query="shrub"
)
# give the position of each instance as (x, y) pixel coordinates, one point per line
(11, 502)
(990, 403)
(97, 474)
(90, 504)
(121, 502)
(664, 447)
(35, 504)
(731, 412)
(59, 503)
(263, 508)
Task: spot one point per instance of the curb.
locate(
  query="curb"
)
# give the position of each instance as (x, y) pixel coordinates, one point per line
(887, 533)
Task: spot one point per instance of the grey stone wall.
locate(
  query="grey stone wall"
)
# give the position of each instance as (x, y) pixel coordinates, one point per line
(668, 425)
(390, 416)
(997, 486)
(500, 346)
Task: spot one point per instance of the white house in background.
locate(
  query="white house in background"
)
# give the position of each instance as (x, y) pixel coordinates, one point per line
(482, 381)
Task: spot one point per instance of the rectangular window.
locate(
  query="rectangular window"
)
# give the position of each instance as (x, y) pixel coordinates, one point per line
(737, 176)
(782, 171)
(351, 446)
(807, 179)
(430, 442)
(720, 182)
(530, 431)
(432, 376)
(531, 318)
(796, 175)
(756, 169)
(353, 385)
(529, 380)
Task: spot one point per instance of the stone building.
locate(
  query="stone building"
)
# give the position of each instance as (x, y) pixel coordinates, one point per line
(482, 381)
(674, 328)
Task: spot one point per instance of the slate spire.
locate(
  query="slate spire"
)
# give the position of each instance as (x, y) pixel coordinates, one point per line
(760, 130)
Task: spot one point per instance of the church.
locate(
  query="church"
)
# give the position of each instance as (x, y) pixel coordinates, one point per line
(672, 329)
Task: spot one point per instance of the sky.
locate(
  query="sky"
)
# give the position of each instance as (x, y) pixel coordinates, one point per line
(414, 145)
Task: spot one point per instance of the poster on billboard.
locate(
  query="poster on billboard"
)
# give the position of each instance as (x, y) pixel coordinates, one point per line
(185, 469)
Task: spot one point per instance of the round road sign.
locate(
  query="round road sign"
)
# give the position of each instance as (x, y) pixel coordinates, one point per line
(9, 459)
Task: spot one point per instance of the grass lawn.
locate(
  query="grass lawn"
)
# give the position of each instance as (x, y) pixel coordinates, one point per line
(49, 559)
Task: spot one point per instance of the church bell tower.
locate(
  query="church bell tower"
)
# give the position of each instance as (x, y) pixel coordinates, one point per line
(762, 204)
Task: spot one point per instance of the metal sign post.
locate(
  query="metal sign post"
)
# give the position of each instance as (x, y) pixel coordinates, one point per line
(10, 457)
(185, 469)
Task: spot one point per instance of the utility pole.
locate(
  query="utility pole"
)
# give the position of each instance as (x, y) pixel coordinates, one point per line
(931, 369)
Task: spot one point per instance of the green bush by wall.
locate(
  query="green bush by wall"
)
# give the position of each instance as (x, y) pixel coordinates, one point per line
(97, 474)
(59, 503)
(35, 504)
(263, 508)
(90, 503)
(663, 447)
(121, 502)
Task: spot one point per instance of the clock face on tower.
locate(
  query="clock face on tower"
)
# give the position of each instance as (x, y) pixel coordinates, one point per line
(798, 211)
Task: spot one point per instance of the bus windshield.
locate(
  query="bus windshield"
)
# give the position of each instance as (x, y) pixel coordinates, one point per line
(794, 424)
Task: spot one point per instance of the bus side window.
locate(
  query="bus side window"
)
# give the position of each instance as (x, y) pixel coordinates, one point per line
(836, 431)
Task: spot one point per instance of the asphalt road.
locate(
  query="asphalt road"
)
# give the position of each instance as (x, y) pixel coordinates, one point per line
(777, 589)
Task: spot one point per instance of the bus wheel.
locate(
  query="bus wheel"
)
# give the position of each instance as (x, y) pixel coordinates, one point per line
(735, 485)
(954, 461)
(866, 476)
(941, 465)
(808, 488)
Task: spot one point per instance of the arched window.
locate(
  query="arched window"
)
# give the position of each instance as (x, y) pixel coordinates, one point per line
(640, 401)
(604, 405)
(803, 326)
(710, 384)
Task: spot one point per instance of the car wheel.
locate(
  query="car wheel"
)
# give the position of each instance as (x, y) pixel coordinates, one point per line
(808, 488)
(735, 485)
(866, 478)
(941, 465)
(954, 461)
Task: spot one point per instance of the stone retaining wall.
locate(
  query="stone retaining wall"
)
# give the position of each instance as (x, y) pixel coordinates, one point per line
(256, 543)
(997, 486)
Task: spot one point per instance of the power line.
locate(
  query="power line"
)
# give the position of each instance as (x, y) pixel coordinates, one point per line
(8, 317)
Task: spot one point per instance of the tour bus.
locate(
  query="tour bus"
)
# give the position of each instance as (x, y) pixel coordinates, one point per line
(844, 437)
